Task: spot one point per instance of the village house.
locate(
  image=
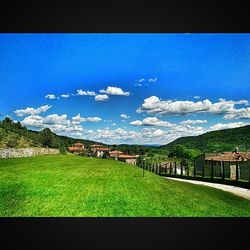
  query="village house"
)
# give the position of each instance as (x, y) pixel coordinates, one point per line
(76, 148)
(102, 152)
(114, 154)
(130, 159)
(230, 161)
(94, 147)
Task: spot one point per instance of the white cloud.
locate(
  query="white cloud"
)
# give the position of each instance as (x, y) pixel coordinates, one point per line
(83, 92)
(219, 126)
(57, 123)
(65, 95)
(124, 116)
(136, 123)
(56, 119)
(50, 96)
(196, 97)
(152, 79)
(114, 91)
(78, 119)
(93, 119)
(138, 84)
(113, 124)
(101, 97)
(32, 111)
(191, 122)
(33, 121)
(153, 105)
(151, 121)
(243, 113)
(141, 80)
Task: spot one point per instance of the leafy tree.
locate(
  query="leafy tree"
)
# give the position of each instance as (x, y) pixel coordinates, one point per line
(46, 137)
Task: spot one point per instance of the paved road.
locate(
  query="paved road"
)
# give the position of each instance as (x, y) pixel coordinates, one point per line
(243, 192)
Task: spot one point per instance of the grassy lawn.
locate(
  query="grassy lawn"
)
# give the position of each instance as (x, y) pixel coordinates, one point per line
(78, 186)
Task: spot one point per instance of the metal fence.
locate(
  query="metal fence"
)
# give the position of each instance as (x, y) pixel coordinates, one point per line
(237, 175)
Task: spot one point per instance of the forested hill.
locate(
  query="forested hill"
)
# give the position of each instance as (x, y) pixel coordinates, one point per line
(14, 135)
(216, 141)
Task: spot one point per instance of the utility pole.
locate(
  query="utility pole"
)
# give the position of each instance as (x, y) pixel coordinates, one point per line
(143, 162)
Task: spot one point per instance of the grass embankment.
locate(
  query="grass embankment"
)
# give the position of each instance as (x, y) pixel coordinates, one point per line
(77, 186)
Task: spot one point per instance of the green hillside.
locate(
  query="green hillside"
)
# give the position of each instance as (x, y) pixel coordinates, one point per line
(216, 141)
(14, 135)
(68, 185)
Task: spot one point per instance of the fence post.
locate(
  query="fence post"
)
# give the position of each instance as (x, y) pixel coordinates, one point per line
(223, 170)
(249, 176)
(237, 171)
(194, 168)
(212, 170)
(203, 170)
(175, 170)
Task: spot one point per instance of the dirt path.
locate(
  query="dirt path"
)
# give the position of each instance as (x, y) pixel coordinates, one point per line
(243, 192)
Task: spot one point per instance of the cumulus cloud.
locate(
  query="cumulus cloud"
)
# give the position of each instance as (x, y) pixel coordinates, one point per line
(78, 119)
(114, 91)
(141, 80)
(93, 119)
(151, 121)
(50, 96)
(101, 97)
(65, 95)
(144, 82)
(32, 111)
(243, 113)
(153, 105)
(196, 97)
(83, 92)
(57, 123)
(124, 116)
(136, 123)
(192, 122)
(152, 79)
(220, 126)
(56, 119)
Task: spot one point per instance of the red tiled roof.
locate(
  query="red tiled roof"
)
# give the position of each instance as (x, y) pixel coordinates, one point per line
(229, 156)
(124, 156)
(78, 144)
(115, 152)
(95, 145)
(74, 149)
(102, 149)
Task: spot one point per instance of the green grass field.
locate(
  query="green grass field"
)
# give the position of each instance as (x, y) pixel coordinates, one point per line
(78, 186)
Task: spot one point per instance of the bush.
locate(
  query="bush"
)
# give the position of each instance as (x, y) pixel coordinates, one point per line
(62, 150)
(12, 143)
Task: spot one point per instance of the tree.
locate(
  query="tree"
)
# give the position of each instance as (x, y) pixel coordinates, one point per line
(178, 150)
(46, 137)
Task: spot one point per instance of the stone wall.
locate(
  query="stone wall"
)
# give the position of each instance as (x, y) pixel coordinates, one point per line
(26, 152)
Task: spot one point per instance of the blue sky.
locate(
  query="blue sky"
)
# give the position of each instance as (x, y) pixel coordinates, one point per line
(164, 85)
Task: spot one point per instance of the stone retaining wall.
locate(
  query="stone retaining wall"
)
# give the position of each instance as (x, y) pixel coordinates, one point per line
(26, 152)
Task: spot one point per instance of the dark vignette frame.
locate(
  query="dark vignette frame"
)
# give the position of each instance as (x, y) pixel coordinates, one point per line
(119, 17)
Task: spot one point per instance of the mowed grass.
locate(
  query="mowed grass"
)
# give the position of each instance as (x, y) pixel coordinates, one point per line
(78, 186)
